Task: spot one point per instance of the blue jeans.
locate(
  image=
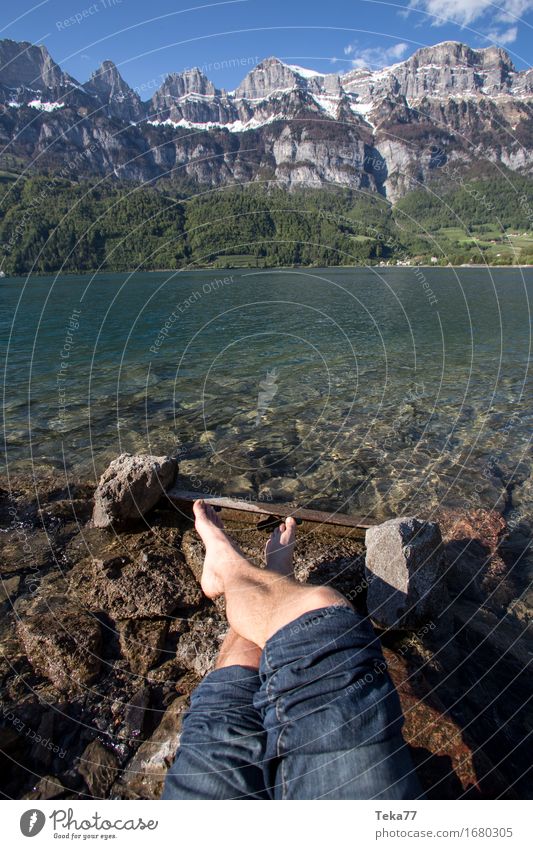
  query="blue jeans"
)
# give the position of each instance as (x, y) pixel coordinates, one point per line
(319, 720)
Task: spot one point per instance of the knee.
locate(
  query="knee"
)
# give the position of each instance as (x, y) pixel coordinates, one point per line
(328, 597)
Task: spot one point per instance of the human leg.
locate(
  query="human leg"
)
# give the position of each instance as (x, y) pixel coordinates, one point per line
(332, 716)
(223, 741)
(258, 601)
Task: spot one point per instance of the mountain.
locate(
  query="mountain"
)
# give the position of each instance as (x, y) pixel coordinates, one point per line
(107, 86)
(446, 107)
(27, 67)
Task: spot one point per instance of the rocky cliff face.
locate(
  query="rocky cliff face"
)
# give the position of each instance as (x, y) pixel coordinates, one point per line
(26, 65)
(107, 86)
(379, 130)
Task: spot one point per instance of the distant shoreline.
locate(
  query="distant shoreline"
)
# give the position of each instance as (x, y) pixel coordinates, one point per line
(223, 269)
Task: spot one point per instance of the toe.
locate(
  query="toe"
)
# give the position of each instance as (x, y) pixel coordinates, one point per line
(290, 530)
(273, 539)
(199, 509)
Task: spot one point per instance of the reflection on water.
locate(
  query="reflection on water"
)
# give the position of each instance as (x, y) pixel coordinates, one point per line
(343, 389)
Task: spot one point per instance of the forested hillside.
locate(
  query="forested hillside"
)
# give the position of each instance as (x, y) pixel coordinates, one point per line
(48, 224)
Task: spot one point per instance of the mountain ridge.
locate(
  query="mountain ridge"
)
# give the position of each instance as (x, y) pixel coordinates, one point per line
(375, 130)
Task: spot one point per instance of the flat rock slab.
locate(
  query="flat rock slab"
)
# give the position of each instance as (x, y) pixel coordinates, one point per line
(150, 585)
(25, 548)
(145, 774)
(447, 766)
(99, 768)
(130, 487)
(9, 588)
(48, 787)
(141, 642)
(198, 648)
(405, 570)
(61, 640)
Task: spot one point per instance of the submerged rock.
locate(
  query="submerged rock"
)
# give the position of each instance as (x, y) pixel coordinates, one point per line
(62, 641)
(405, 567)
(130, 486)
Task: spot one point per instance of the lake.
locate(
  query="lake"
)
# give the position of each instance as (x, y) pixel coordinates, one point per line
(370, 391)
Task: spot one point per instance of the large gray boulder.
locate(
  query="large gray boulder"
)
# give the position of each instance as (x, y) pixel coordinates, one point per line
(405, 568)
(130, 486)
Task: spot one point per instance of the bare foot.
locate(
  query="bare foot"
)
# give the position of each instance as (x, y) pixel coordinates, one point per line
(279, 548)
(219, 549)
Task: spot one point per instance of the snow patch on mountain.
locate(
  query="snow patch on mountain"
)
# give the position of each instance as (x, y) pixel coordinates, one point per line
(306, 73)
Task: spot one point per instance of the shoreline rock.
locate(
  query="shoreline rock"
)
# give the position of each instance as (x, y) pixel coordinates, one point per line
(405, 569)
(131, 596)
(130, 486)
(61, 640)
(150, 585)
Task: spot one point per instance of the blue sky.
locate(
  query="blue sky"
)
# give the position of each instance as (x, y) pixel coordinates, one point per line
(226, 39)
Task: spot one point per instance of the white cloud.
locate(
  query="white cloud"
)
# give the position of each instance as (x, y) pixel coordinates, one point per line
(503, 36)
(465, 12)
(375, 57)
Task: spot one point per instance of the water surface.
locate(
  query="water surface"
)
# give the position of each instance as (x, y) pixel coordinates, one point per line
(370, 391)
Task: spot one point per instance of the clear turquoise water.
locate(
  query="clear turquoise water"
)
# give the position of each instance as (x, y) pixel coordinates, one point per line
(351, 389)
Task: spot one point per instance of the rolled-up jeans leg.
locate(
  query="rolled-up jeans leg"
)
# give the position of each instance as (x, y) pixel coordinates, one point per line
(222, 744)
(332, 715)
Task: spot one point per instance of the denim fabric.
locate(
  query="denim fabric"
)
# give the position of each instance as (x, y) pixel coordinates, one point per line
(222, 742)
(321, 720)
